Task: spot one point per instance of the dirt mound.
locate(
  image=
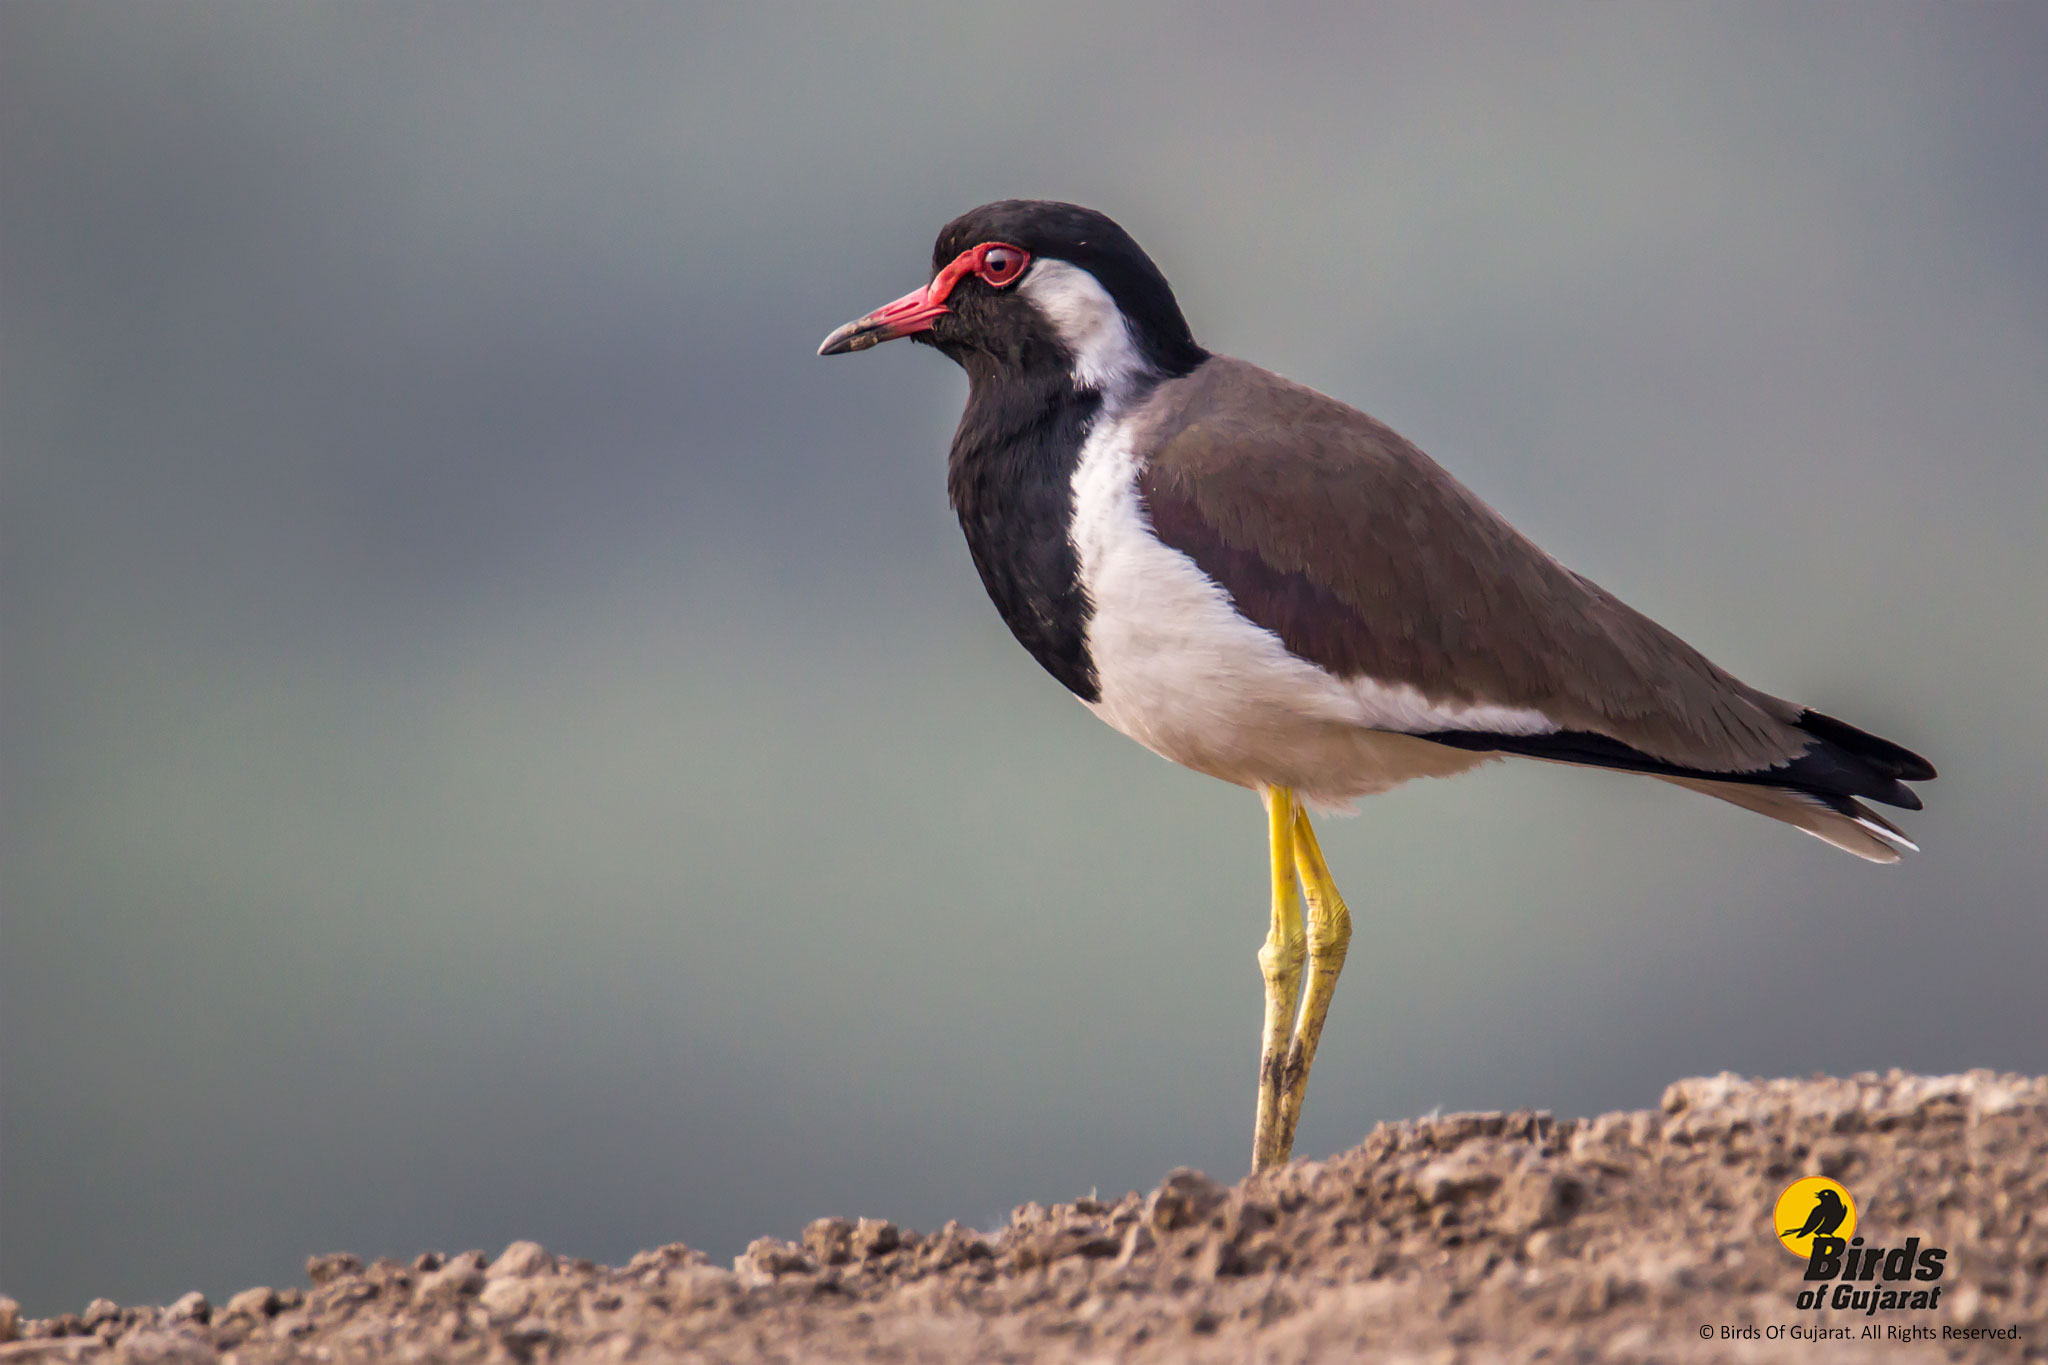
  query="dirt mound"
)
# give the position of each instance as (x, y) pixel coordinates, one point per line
(1480, 1236)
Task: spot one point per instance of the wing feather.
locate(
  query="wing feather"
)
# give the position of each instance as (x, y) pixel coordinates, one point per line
(1366, 558)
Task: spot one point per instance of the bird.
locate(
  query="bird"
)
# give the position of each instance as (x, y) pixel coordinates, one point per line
(1828, 1213)
(1265, 585)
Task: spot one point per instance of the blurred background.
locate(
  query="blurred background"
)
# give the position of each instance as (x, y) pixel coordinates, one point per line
(501, 741)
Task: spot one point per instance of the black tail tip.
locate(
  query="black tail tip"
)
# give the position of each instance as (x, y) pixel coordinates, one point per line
(1892, 760)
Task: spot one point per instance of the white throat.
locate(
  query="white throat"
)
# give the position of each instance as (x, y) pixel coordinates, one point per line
(1081, 311)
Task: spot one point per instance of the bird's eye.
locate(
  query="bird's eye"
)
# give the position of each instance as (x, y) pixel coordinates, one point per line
(1000, 265)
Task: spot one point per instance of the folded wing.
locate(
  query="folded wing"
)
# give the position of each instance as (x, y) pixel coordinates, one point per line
(1367, 559)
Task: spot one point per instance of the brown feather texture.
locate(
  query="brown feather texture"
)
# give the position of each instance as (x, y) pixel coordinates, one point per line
(1366, 558)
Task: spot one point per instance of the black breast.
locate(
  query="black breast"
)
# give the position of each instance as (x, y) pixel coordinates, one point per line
(1011, 480)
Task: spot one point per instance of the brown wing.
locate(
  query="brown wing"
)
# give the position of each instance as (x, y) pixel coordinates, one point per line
(1366, 558)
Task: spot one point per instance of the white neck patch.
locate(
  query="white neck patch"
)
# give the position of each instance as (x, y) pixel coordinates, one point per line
(1106, 356)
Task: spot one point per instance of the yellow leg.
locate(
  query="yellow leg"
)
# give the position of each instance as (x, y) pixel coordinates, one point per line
(1329, 936)
(1280, 963)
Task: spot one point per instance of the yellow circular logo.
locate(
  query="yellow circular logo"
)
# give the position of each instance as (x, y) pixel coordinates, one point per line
(1810, 1208)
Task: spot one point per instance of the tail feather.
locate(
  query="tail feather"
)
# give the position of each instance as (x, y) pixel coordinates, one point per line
(1894, 760)
(1844, 822)
(1816, 792)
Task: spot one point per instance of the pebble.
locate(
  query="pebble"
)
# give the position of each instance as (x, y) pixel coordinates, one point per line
(520, 1260)
(507, 1296)
(658, 1262)
(772, 1256)
(528, 1333)
(10, 1319)
(462, 1275)
(953, 1244)
(876, 1237)
(1184, 1198)
(57, 1328)
(256, 1304)
(1453, 1177)
(1538, 1198)
(334, 1265)
(99, 1310)
(830, 1240)
(191, 1307)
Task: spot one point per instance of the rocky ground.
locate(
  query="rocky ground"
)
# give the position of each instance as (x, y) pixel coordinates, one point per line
(1632, 1236)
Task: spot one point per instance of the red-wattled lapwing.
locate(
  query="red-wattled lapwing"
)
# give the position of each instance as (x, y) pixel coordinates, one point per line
(1270, 587)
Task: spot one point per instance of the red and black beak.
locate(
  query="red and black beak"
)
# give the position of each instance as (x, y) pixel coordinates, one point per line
(914, 312)
(997, 263)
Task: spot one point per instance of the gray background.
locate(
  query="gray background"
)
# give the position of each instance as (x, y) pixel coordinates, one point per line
(500, 741)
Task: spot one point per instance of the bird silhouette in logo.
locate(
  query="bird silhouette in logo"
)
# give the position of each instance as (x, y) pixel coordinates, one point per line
(1828, 1213)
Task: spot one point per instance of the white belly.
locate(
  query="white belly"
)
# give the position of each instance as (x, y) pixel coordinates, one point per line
(1186, 676)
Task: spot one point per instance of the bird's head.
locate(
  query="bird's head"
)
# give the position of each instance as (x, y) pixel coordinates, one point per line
(1030, 285)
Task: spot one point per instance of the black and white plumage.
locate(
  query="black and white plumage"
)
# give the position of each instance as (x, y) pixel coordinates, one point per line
(1266, 585)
